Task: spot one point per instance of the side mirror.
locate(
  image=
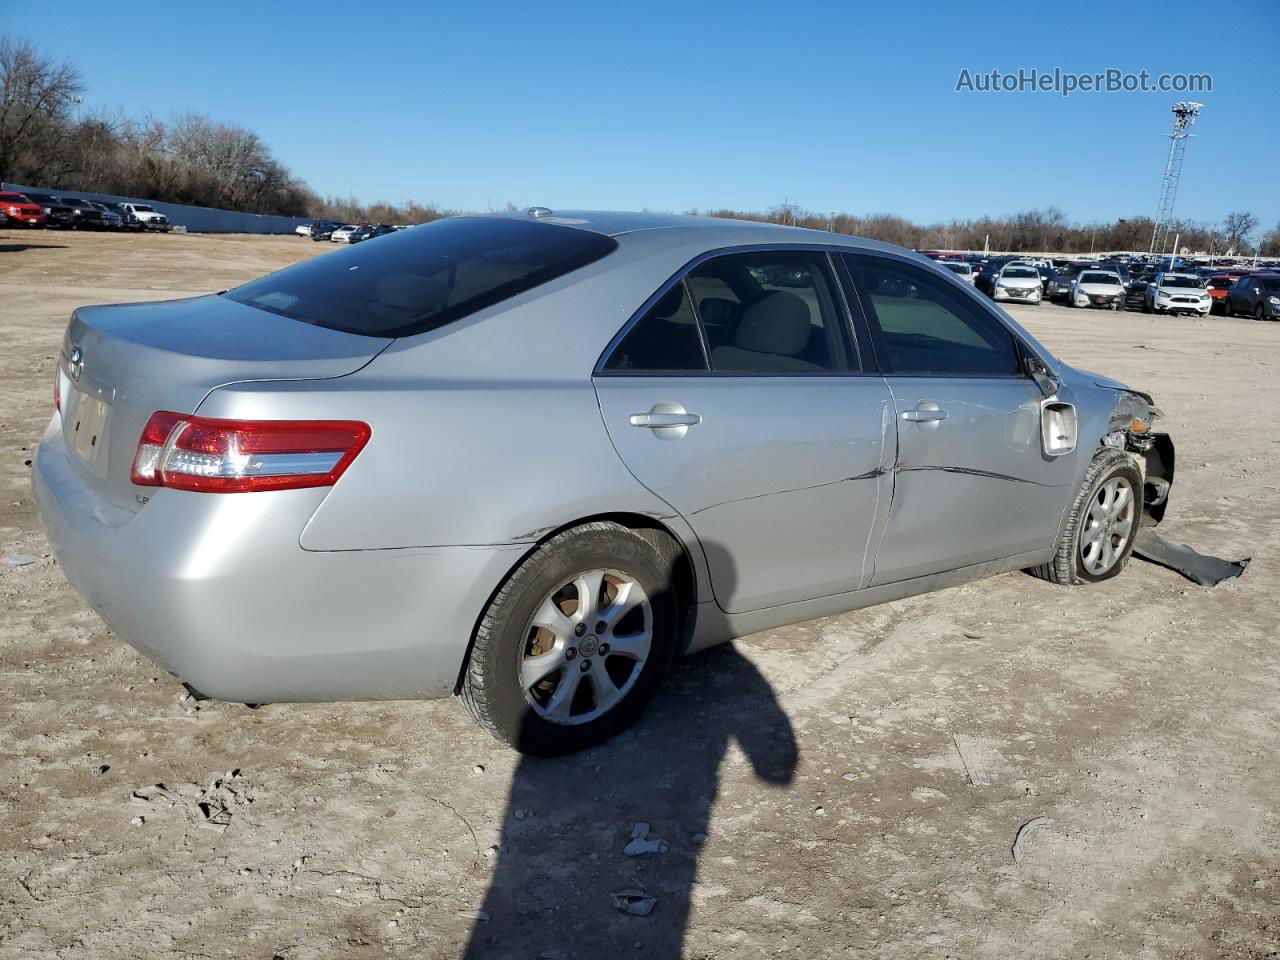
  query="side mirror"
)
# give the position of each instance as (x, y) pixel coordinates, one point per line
(1038, 372)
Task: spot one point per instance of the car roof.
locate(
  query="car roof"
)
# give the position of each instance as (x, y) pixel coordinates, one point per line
(710, 232)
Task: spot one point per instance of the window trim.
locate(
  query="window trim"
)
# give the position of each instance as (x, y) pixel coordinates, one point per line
(857, 350)
(1021, 349)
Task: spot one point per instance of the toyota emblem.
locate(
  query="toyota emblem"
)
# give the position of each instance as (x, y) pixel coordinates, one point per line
(76, 363)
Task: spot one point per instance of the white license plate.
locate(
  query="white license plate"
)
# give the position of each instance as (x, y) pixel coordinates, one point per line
(89, 429)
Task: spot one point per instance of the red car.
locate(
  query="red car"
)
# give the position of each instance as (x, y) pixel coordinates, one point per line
(18, 208)
(1218, 286)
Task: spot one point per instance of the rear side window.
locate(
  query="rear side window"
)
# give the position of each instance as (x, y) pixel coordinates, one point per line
(665, 339)
(770, 312)
(420, 279)
(926, 327)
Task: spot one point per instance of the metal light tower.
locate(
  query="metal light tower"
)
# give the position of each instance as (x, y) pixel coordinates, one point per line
(1184, 115)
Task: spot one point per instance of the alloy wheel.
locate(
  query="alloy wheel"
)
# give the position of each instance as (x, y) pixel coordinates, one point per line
(585, 646)
(1107, 526)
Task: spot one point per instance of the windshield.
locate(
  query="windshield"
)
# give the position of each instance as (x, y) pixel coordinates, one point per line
(958, 267)
(1020, 272)
(143, 208)
(1182, 282)
(418, 280)
(1095, 277)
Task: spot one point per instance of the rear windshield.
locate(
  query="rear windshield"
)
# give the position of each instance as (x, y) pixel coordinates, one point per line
(420, 279)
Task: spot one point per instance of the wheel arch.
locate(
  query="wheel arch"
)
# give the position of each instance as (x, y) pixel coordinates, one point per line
(686, 573)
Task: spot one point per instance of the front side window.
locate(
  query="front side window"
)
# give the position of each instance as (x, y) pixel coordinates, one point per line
(424, 278)
(929, 328)
(770, 312)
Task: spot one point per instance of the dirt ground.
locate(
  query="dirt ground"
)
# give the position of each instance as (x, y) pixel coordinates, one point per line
(814, 784)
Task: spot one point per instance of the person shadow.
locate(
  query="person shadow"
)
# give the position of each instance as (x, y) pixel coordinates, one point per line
(562, 860)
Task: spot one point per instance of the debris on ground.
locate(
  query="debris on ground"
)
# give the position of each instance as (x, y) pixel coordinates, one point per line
(1034, 823)
(635, 902)
(1196, 567)
(20, 559)
(478, 915)
(964, 747)
(211, 806)
(642, 844)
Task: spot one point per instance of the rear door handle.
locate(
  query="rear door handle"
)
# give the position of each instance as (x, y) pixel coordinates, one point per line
(655, 420)
(668, 421)
(926, 411)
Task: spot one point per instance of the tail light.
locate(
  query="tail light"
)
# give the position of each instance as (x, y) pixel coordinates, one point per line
(57, 386)
(239, 456)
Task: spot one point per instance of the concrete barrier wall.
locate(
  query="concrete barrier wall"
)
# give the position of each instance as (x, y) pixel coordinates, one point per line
(195, 219)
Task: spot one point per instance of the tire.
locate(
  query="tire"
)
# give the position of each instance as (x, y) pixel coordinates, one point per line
(1260, 313)
(549, 718)
(1146, 306)
(1076, 560)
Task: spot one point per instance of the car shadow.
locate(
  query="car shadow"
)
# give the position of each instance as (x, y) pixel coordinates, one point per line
(19, 247)
(655, 787)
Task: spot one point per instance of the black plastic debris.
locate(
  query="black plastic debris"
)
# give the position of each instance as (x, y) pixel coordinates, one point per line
(1201, 569)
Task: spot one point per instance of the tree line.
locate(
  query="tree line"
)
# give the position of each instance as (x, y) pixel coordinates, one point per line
(47, 139)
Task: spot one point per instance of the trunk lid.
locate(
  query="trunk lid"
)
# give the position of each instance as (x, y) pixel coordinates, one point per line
(122, 363)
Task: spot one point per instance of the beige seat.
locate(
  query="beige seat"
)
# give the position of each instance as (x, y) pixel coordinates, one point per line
(773, 330)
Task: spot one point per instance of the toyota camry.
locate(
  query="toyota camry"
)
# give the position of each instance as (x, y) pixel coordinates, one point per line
(530, 458)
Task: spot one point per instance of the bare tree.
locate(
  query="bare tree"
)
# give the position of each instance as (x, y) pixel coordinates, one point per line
(36, 95)
(1270, 246)
(1237, 227)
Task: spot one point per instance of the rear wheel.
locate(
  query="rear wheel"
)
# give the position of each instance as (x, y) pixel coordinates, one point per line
(1097, 539)
(574, 644)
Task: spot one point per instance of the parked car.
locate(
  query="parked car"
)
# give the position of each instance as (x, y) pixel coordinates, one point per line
(1176, 293)
(147, 216)
(303, 229)
(1097, 288)
(368, 232)
(57, 213)
(323, 229)
(1060, 285)
(110, 218)
(84, 215)
(985, 281)
(343, 479)
(1257, 295)
(130, 220)
(1219, 286)
(1016, 282)
(343, 234)
(21, 210)
(960, 269)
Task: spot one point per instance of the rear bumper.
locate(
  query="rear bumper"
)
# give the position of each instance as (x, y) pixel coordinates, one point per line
(217, 589)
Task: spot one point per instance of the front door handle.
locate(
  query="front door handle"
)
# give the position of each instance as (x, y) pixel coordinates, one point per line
(668, 421)
(926, 411)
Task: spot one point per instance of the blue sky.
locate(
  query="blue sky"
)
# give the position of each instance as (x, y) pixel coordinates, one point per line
(840, 106)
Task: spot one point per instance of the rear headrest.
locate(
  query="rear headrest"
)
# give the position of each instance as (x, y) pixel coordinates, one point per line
(412, 293)
(778, 323)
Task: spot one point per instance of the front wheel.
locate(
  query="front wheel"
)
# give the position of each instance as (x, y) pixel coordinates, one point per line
(1097, 540)
(573, 646)
(1260, 313)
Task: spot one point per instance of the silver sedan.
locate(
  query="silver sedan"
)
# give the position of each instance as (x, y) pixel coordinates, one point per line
(530, 458)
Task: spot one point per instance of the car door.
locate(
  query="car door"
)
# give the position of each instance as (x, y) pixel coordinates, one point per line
(971, 482)
(738, 397)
